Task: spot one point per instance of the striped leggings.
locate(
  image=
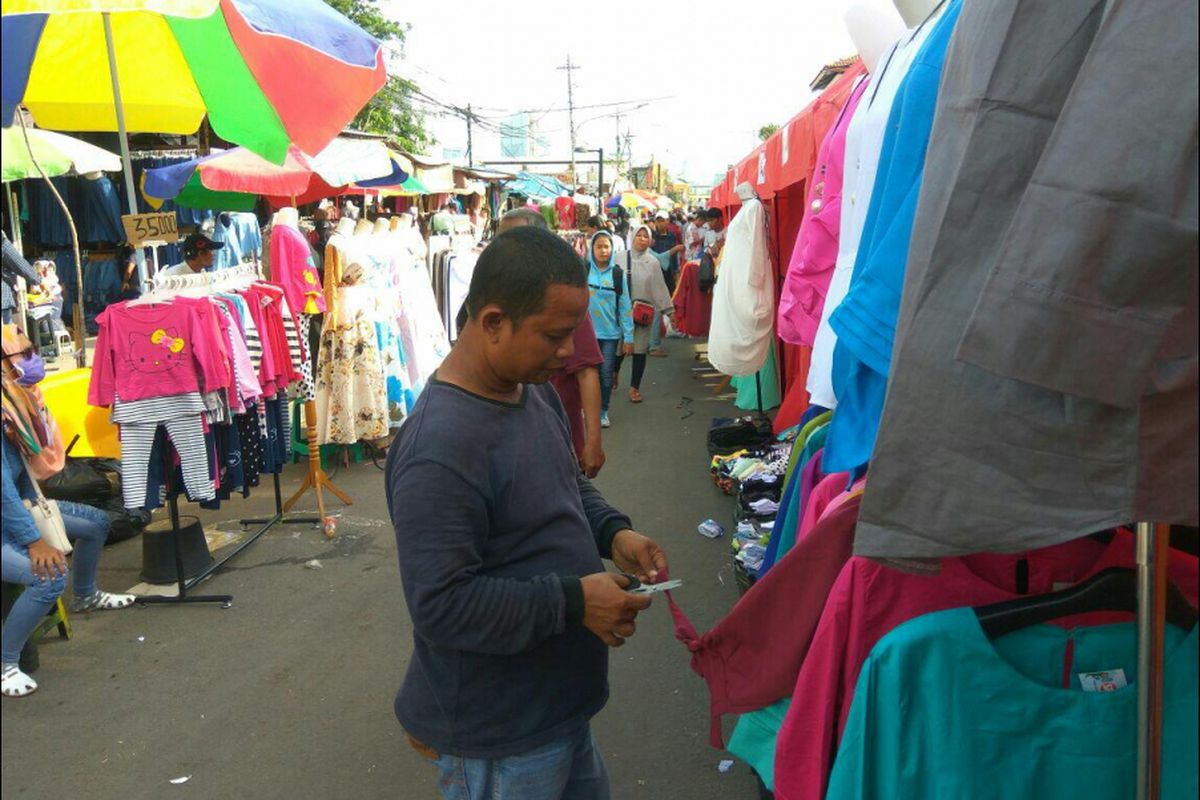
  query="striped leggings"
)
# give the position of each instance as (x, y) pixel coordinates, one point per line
(137, 442)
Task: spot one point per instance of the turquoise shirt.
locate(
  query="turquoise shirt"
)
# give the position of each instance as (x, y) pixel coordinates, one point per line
(941, 711)
(603, 305)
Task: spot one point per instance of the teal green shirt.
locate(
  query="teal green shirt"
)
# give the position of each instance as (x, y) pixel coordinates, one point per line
(942, 712)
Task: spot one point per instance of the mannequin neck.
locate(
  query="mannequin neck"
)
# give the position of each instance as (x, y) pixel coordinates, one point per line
(872, 27)
(362, 228)
(288, 216)
(914, 12)
(345, 226)
(382, 225)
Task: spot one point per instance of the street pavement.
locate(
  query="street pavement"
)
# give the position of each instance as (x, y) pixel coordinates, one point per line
(288, 693)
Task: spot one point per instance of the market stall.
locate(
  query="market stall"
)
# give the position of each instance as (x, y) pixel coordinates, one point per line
(933, 517)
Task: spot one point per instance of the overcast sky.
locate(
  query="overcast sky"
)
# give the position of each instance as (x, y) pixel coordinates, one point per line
(726, 69)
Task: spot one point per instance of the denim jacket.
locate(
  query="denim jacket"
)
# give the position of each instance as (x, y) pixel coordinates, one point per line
(16, 525)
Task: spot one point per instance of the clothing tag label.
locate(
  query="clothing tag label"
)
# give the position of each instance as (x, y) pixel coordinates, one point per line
(762, 168)
(1108, 680)
(787, 130)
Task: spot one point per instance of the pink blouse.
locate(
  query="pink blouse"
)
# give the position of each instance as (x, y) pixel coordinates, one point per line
(816, 249)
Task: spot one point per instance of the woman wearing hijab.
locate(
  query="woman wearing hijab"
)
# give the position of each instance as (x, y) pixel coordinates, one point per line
(646, 285)
(31, 448)
(609, 305)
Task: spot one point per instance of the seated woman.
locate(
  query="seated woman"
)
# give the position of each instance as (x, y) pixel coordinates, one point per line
(31, 449)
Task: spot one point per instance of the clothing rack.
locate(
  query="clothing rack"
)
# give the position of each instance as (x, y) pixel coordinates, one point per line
(1153, 542)
(171, 283)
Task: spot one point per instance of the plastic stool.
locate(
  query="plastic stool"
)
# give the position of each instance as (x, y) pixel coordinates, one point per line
(56, 617)
(64, 341)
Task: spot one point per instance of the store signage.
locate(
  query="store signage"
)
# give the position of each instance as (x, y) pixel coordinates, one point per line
(157, 228)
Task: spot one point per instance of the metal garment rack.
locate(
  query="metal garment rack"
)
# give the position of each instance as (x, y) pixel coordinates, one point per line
(185, 584)
(1153, 542)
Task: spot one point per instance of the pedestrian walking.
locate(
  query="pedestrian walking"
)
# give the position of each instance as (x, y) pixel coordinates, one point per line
(608, 302)
(647, 287)
(500, 539)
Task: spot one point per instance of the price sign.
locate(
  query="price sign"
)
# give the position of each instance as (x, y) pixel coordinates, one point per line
(142, 229)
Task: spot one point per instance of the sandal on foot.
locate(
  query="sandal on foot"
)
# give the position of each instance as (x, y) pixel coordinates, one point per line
(101, 601)
(635, 396)
(16, 683)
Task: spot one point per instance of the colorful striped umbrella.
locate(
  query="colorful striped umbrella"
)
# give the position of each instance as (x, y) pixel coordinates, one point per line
(56, 153)
(268, 73)
(232, 180)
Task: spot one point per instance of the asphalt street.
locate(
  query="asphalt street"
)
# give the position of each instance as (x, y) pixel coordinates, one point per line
(288, 693)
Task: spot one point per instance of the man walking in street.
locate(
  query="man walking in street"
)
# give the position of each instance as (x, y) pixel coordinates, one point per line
(500, 538)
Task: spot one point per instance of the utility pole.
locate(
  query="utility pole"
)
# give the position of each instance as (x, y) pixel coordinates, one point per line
(470, 151)
(569, 68)
(618, 116)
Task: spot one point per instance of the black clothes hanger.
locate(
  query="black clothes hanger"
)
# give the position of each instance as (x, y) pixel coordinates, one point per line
(1114, 589)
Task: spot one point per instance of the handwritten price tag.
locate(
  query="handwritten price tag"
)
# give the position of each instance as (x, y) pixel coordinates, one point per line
(143, 229)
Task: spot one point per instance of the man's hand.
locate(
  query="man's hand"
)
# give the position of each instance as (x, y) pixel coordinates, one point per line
(639, 556)
(628, 348)
(608, 610)
(592, 459)
(48, 562)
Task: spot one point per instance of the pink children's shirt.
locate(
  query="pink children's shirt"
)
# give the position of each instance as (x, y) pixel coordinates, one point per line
(149, 351)
(869, 600)
(816, 249)
(292, 268)
(248, 387)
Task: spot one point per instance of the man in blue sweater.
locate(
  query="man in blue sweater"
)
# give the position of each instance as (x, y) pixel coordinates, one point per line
(500, 539)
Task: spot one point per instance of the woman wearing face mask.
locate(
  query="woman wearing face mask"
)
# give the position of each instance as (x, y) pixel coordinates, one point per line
(608, 290)
(32, 449)
(647, 285)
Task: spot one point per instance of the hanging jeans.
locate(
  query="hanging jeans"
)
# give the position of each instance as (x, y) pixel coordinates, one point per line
(88, 529)
(610, 351)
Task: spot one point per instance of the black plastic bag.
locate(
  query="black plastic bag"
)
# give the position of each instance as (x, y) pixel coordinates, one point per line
(91, 481)
(126, 522)
(706, 277)
(746, 433)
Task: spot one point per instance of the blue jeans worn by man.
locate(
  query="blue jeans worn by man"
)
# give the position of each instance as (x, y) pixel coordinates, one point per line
(570, 768)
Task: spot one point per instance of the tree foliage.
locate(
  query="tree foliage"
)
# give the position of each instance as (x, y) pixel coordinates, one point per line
(767, 131)
(391, 111)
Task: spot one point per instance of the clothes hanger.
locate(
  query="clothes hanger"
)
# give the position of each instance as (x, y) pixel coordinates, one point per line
(1113, 589)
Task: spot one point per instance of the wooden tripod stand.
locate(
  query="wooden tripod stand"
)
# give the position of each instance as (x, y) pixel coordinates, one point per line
(316, 479)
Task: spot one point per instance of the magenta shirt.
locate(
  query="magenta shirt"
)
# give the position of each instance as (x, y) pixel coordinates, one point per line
(816, 248)
(292, 268)
(149, 351)
(868, 600)
(750, 658)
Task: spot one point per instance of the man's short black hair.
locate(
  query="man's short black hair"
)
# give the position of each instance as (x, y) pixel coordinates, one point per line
(518, 267)
(714, 213)
(528, 216)
(594, 221)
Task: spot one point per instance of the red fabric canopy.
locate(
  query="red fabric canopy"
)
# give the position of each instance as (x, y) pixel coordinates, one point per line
(780, 170)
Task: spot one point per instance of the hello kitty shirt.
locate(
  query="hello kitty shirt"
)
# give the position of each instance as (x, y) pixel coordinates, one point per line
(149, 351)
